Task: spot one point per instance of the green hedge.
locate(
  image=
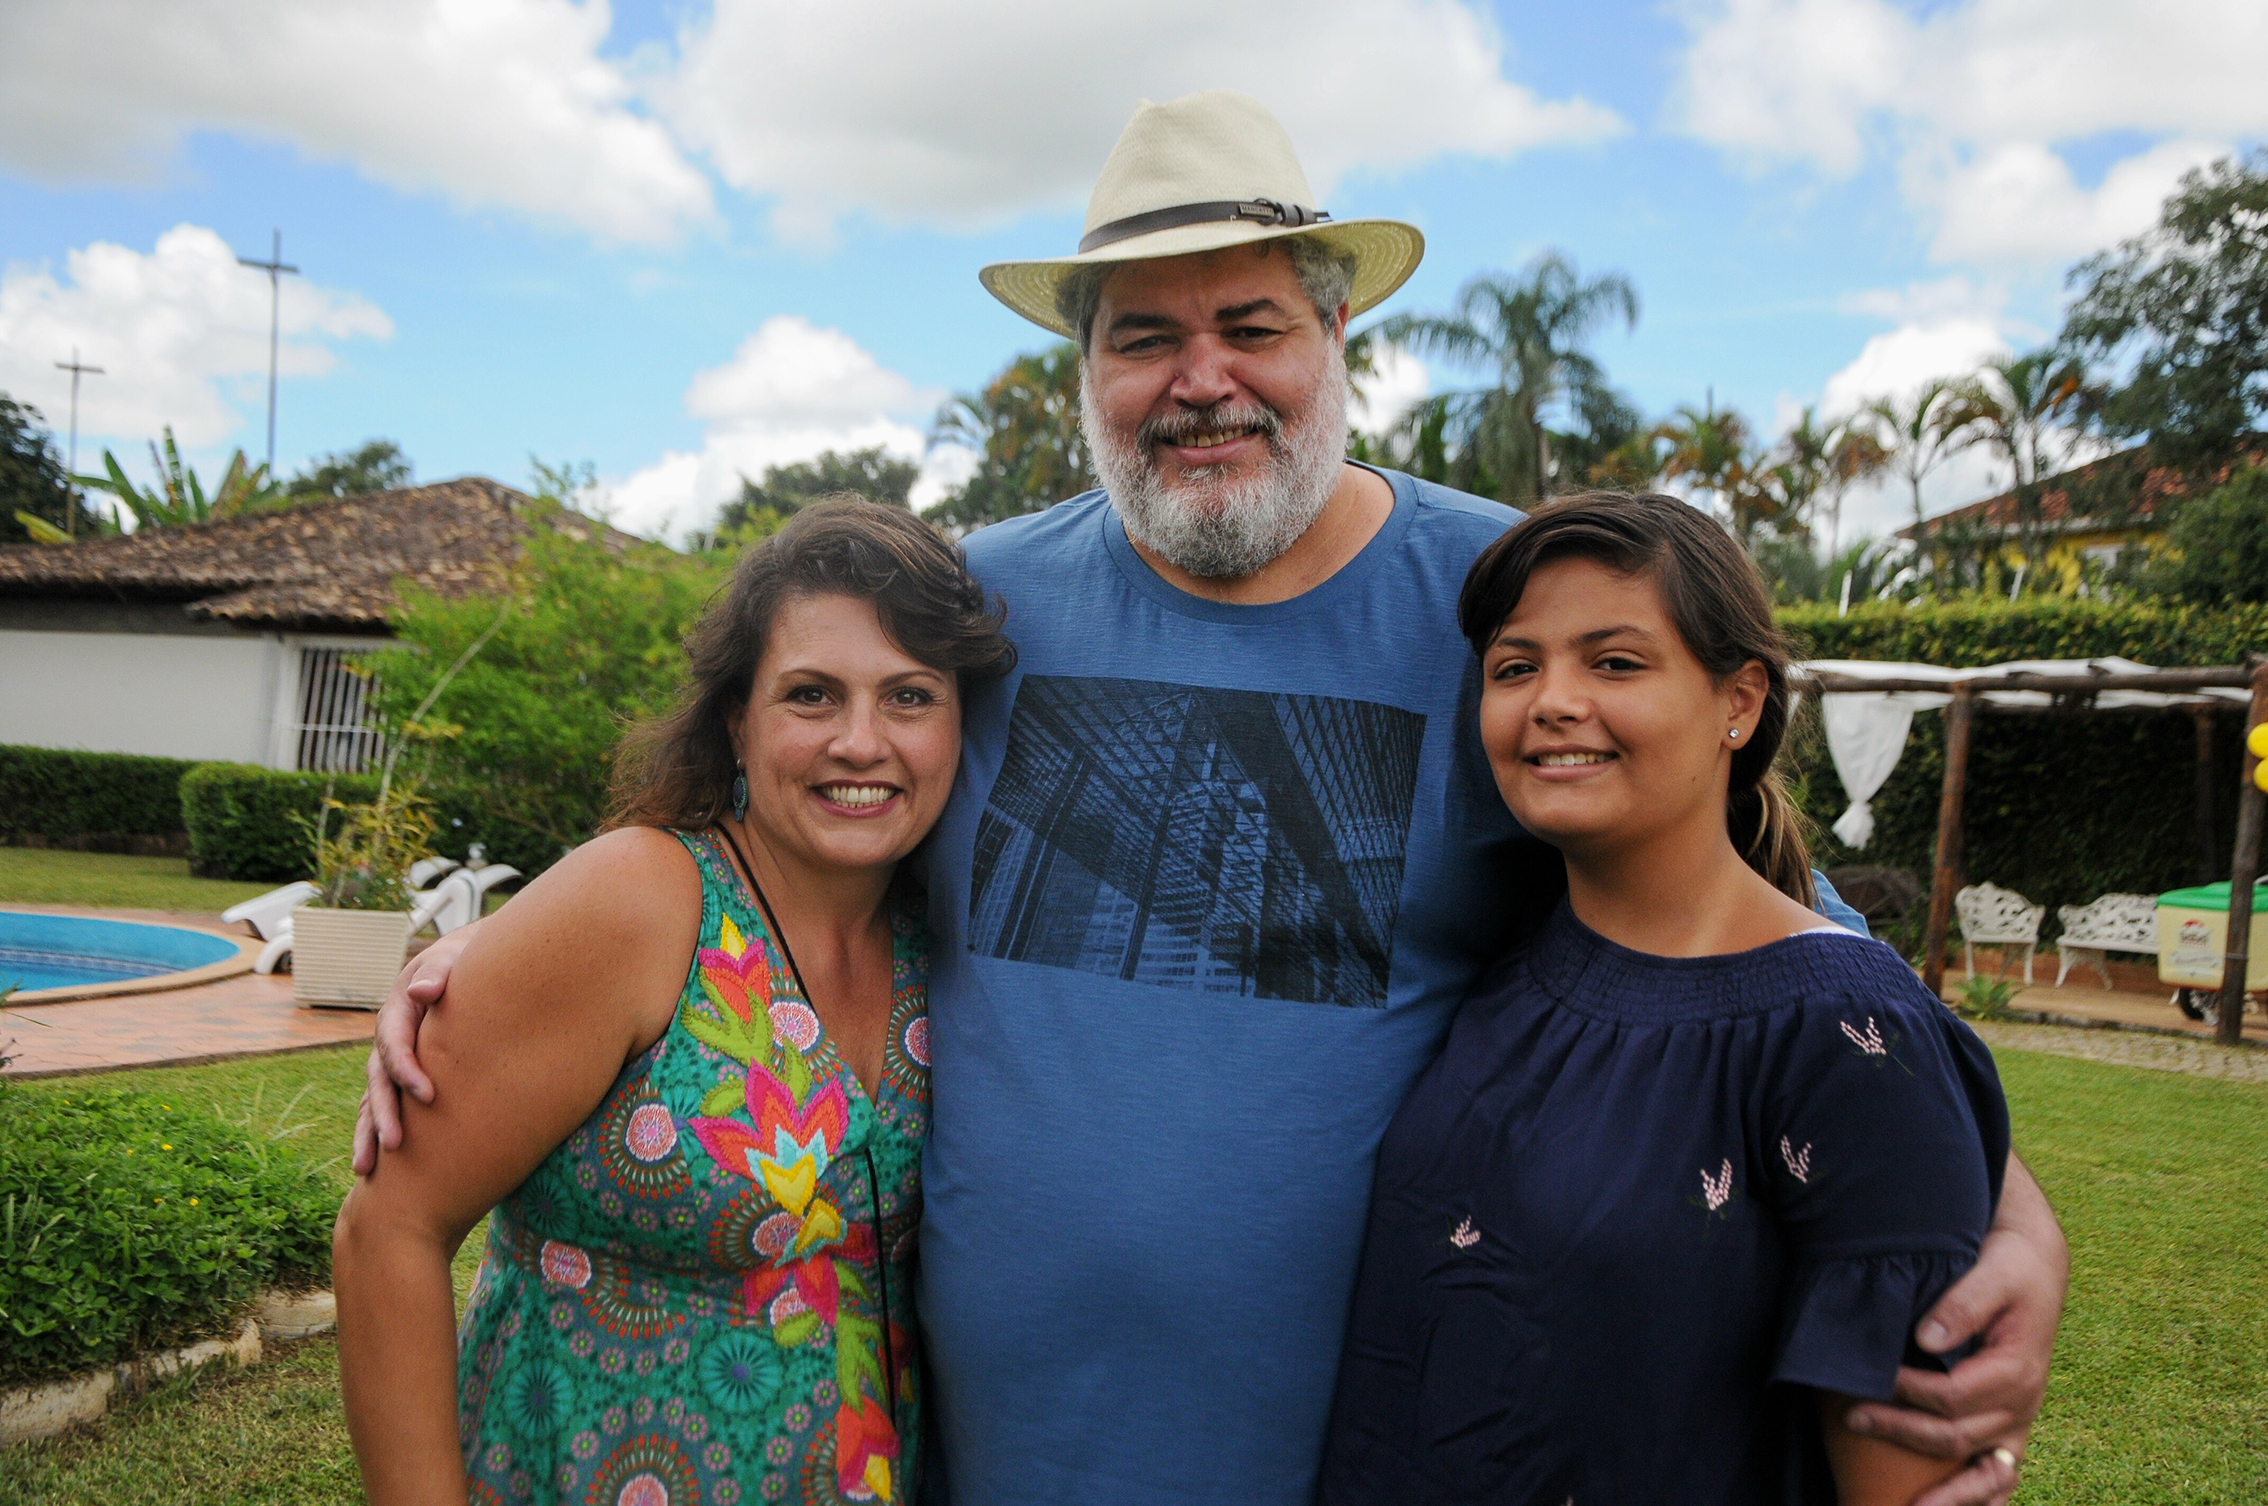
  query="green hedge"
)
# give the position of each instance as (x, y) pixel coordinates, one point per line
(2059, 808)
(245, 821)
(130, 1222)
(62, 795)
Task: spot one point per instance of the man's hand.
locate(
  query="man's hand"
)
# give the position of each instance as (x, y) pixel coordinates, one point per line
(393, 1064)
(1982, 1411)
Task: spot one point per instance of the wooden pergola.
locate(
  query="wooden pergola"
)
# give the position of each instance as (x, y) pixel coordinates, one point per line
(2073, 692)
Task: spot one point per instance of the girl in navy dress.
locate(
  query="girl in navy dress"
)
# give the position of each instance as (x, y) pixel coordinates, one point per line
(1692, 1164)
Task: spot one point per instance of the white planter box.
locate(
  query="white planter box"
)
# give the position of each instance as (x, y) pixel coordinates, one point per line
(346, 956)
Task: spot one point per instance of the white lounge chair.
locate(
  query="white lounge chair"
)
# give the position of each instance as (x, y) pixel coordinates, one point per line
(458, 899)
(1993, 916)
(2109, 923)
(269, 914)
(424, 871)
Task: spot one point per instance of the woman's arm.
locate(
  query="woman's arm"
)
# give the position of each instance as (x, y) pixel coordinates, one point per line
(1871, 1471)
(577, 975)
(2010, 1302)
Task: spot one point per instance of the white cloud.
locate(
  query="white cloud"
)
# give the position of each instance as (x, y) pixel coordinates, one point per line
(790, 391)
(181, 333)
(969, 114)
(503, 103)
(1976, 102)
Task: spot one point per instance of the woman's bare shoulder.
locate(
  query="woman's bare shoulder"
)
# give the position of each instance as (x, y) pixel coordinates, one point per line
(609, 925)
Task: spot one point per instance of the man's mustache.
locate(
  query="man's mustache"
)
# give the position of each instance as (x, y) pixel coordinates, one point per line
(1189, 424)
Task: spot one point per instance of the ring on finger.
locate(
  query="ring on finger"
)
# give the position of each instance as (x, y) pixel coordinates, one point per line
(2006, 1456)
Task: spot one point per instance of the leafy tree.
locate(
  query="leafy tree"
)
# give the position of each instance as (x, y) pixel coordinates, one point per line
(1528, 332)
(873, 473)
(2216, 549)
(1921, 431)
(1024, 428)
(528, 728)
(2183, 308)
(179, 498)
(377, 466)
(568, 485)
(35, 490)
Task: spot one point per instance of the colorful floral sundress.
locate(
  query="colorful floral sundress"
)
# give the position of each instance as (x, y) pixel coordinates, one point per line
(696, 1296)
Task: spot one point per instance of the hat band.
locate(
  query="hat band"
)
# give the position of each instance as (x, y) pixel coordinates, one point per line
(1264, 211)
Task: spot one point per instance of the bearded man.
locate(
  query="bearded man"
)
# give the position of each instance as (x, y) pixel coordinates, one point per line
(1222, 857)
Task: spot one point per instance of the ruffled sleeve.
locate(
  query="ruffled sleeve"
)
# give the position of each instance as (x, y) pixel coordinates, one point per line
(1848, 1324)
(1887, 1135)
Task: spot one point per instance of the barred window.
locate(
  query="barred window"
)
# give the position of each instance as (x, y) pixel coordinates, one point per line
(335, 732)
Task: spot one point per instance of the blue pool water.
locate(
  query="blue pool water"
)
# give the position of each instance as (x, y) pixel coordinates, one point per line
(64, 951)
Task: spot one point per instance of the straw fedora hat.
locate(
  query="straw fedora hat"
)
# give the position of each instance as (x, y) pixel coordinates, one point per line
(1196, 174)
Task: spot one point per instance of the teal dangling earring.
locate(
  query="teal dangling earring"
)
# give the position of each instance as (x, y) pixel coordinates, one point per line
(739, 795)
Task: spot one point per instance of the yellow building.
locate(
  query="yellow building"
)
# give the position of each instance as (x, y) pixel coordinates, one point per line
(2084, 520)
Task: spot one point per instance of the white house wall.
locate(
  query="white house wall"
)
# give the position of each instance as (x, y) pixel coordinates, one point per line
(200, 697)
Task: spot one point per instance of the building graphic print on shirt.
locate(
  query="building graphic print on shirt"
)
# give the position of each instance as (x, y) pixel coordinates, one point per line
(1228, 841)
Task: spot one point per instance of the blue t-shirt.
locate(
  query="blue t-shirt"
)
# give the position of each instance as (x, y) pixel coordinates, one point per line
(1211, 882)
(1641, 1207)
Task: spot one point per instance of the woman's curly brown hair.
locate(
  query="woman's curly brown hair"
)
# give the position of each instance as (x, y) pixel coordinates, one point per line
(677, 770)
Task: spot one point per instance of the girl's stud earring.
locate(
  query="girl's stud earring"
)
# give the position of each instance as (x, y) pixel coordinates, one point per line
(739, 796)
(1735, 734)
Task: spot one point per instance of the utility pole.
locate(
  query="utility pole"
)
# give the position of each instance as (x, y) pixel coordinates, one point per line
(71, 499)
(275, 268)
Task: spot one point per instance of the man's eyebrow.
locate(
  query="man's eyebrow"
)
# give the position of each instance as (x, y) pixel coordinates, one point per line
(1238, 311)
(1140, 321)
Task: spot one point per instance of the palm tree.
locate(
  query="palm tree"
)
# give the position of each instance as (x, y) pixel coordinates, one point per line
(1528, 333)
(1920, 431)
(1709, 451)
(1024, 427)
(1815, 462)
(2023, 407)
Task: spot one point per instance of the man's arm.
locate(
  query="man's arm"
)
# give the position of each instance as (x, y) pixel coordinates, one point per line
(1982, 1410)
(393, 1066)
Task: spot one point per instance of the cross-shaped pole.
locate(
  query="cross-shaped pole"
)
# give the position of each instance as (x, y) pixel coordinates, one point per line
(71, 501)
(275, 268)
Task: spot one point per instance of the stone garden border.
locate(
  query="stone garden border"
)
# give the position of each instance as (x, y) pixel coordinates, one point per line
(42, 1410)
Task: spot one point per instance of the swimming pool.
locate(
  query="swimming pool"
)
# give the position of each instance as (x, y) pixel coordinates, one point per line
(66, 951)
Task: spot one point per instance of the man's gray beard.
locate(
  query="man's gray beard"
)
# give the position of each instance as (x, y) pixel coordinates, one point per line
(1221, 529)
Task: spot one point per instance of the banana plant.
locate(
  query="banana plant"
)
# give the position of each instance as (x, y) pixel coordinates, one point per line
(243, 488)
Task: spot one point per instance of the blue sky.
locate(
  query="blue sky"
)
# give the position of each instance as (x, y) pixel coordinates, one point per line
(684, 241)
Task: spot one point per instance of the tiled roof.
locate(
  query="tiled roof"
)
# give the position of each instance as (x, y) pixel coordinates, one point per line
(1998, 514)
(328, 565)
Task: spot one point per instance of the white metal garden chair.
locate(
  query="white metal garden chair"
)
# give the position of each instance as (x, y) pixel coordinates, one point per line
(2110, 923)
(1993, 916)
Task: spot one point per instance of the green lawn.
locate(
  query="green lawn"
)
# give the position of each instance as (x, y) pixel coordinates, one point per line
(102, 880)
(2160, 1394)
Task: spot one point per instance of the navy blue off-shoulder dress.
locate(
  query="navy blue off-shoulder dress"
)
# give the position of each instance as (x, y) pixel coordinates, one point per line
(1641, 1206)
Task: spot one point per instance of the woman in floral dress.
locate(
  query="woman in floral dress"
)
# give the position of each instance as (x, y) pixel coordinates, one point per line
(688, 1071)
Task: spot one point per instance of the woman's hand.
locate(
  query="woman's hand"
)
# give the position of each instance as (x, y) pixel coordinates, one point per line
(1982, 1410)
(393, 1067)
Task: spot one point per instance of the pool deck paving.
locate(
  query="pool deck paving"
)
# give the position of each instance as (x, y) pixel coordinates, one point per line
(250, 1014)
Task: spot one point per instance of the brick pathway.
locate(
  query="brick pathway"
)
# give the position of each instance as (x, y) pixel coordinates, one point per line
(249, 1015)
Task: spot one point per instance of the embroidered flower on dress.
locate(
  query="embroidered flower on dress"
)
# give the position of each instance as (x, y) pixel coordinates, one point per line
(1798, 1161)
(565, 1265)
(1717, 1190)
(1871, 1042)
(1464, 1236)
(650, 1135)
(795, 1023)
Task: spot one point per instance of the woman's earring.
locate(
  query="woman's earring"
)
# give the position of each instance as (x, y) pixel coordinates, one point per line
(739, 795)
(1735, 734)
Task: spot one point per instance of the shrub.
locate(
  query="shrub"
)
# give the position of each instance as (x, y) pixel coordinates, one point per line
(92, 799)
(246, 822)
(130, 1222)
(2217, 548)
(591, 640)
(2059, 808)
